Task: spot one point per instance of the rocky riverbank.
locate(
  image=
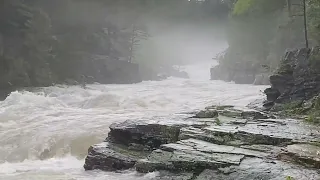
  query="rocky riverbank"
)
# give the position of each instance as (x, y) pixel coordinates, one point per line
(295, 86)
(221, 142)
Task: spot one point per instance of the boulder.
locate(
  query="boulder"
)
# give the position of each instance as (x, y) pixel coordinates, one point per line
(109, 157)
(272, 94)
(150, 135)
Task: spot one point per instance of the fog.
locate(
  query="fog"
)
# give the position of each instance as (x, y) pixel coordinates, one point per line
(183, 44)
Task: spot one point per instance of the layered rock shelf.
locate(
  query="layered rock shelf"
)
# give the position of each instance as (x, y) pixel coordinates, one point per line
(219, 143)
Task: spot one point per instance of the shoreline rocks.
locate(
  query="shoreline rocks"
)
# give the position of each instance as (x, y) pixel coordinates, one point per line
(231, 143)
(297, 78)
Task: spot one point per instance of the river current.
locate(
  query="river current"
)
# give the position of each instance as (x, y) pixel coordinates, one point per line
(62, 122)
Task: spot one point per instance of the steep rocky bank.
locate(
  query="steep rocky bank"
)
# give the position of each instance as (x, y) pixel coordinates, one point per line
(221, 142)
(295, 85)
(297, 78)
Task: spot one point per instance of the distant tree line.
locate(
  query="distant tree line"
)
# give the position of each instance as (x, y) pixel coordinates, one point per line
(44, 41)
(260, 31)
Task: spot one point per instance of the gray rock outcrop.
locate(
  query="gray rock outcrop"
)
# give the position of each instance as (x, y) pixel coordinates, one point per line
(297, 78)
(235, 144)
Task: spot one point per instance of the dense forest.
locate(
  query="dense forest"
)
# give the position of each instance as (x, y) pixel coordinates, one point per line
(43, 42)
(261, 31)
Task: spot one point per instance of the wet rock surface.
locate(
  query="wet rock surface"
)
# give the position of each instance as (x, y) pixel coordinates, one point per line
(306, 154)
(258, 169)
(230, 143)
(297, 78)
(147, 134)
(108, 157)
(165, 175)
(206, 114)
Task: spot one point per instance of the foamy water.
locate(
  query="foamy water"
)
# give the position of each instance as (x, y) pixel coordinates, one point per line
(45, 134)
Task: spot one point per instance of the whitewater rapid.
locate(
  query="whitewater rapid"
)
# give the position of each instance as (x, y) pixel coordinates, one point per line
(45, 133)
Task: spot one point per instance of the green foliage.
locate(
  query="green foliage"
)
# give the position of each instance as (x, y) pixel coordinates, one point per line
(218, 121)
(292, 105)
(243, 6)
(258, 7)
(289, 178)
(313, 11)
(259, 33)
(313, 117)
(314, 113)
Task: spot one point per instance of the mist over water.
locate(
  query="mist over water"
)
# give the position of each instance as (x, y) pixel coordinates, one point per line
(185, 43)
(46, 133)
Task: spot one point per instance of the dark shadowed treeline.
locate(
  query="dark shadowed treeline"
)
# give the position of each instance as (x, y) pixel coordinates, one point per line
(44, 42)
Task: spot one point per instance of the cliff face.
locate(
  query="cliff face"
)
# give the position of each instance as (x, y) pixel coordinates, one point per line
(297, 78)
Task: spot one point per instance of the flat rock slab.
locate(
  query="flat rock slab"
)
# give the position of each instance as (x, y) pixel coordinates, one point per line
(186, 161)
(165, 175)
(230, 111)
(305, 154)
(193, 156)
(205, 147)
(258, 169)
(262, 131)
(109, 157)
(148, 133)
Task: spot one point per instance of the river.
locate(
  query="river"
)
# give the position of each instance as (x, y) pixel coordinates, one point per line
(62, 122)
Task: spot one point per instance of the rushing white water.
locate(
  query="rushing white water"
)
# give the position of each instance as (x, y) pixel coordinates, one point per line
(64, 121)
